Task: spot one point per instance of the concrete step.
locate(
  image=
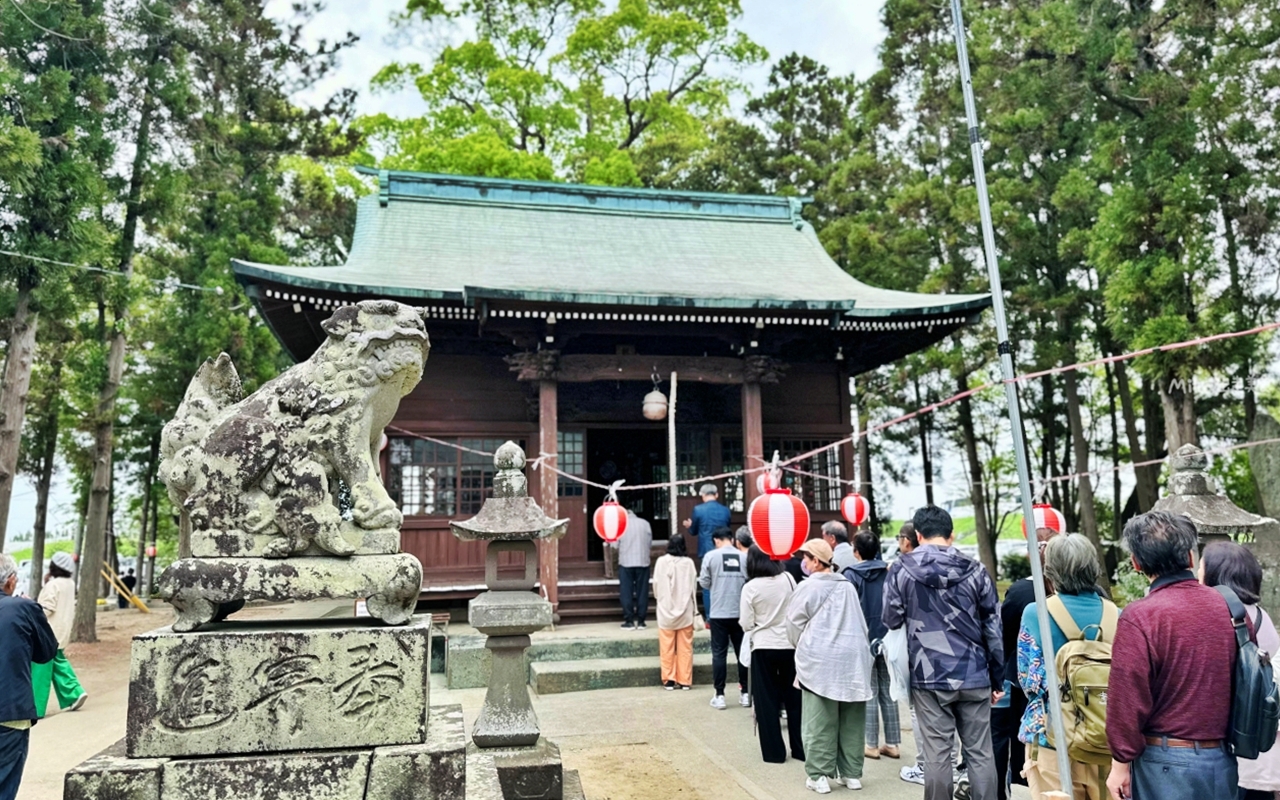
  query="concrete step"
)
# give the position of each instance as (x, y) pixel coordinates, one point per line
(468, 662)
(557, 677)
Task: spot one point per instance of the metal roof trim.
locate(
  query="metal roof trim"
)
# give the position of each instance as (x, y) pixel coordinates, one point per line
(474, 293)
(973, 305)
(437, 187)
(247, 270)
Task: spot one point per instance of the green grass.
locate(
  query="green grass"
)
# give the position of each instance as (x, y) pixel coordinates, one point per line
(965, 529)
(60, 546)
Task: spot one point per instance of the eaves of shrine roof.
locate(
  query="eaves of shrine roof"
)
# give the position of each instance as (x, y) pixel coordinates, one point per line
(449, 237)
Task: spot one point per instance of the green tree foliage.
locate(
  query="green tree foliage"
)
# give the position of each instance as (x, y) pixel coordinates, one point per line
(618, 94)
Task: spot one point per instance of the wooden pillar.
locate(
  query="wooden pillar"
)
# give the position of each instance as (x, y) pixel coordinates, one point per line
(549, 549)
(752, 437)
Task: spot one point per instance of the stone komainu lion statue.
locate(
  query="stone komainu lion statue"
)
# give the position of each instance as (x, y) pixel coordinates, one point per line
(270, 464)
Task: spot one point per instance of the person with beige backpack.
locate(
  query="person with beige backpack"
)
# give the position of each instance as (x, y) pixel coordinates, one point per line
(1084, 626)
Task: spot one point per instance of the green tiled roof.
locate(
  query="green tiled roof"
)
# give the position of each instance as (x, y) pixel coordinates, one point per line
(452, 237)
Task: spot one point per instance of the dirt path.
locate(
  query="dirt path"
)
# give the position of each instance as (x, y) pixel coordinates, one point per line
(63, 740)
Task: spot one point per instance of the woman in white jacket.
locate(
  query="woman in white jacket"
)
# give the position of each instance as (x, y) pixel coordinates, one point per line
(1235, 566)
(763, 616)
(833, 667)
(675, 580)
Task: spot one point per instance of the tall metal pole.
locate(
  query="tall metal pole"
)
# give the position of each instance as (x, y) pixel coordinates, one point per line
(671, 459)
(1005, 349)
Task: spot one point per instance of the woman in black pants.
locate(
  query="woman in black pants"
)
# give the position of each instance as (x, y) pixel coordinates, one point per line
(763, 616)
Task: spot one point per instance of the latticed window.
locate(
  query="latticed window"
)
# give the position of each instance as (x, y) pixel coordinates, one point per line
(821, 490)
(428, 478)
(731, 461)
(570, 458)
(693, 460)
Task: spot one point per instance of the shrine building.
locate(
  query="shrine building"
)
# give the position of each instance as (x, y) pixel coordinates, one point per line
(553, 307)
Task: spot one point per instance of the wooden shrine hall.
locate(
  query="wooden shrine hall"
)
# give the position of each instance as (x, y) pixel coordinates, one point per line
(553, 308)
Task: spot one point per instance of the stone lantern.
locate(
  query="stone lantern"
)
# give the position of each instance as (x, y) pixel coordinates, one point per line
(1193, 494)
(507, 729)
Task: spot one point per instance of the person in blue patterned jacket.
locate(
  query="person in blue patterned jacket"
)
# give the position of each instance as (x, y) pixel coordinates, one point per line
(948, 603)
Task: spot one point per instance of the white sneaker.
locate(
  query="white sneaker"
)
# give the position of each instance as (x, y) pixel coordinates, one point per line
(852, 783)
(912, 774)
(744, 700)
(717, 702)
(820, 785)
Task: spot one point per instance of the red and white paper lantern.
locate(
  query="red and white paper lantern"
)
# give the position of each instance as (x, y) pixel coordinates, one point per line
(779, 523)
(855, 508)
(1046, 516)
(610, 521)
(767, 481)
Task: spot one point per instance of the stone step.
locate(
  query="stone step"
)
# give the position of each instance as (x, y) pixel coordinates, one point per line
(468, 662)
(557, 677)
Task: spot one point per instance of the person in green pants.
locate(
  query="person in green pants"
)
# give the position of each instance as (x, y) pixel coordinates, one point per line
(58, 599)
(833, 665)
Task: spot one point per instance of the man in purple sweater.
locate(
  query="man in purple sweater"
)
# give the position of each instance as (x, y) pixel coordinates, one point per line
(1169, 701)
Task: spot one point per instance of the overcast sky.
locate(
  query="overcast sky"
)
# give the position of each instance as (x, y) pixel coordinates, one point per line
(842, 34)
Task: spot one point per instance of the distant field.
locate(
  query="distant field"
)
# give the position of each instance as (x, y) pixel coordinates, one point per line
(62, 545)
(965, 533)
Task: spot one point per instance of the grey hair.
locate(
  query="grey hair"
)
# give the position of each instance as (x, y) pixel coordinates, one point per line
(1071, 563)
(706, 489)
(1160, 542)
(8, 568)
(836, 530)
(743, 537)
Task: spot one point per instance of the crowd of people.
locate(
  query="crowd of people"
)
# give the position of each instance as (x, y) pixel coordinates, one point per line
(830, 641)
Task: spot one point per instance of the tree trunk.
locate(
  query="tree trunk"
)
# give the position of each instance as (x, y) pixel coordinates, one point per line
(1243, 318)
(151, 560)
(1115, 451)
(96, 519)
(1144, 477)
(1088, 508)
(13, 396)
(84, 629)
(1153, 423)
(153, 461)
(986, 545)
(926, 458)
(864, 465)
(1177, 397)
(44, 481)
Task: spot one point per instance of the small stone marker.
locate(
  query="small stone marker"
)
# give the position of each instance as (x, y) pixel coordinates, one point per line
(1264, 460)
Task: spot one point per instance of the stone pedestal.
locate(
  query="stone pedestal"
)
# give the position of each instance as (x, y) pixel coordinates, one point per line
(246, 688)
(432, 770)
(199, 587)
(507, 618)
(520, 773)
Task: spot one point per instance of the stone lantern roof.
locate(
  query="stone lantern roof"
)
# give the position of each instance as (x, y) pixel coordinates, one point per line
(1193, 494)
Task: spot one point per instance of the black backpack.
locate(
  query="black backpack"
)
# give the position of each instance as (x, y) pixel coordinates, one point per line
(1255, 703)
